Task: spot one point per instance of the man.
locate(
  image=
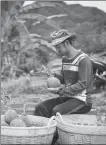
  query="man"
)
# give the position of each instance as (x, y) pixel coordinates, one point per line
(76, 74)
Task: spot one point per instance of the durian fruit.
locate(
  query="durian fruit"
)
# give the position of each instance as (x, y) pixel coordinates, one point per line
(53, 82)
(10, 115)
(24, 117)
(3, 123)
(37, 124)
(17, 123)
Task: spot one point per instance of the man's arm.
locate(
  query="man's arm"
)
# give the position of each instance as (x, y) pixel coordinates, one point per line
(85, 77)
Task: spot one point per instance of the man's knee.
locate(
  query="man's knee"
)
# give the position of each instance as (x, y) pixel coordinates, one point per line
(38, 108)
(55, 110)
(42, 110)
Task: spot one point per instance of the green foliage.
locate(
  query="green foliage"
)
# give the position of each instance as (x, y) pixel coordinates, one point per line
(88, 22)
(24, 86)
(34, 57)
(41, 18)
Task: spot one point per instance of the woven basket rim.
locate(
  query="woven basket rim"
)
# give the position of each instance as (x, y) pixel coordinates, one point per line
(80, 128)
(27, 128)
(30, 128)
(74, 131)
(79, 124)
(83, 125)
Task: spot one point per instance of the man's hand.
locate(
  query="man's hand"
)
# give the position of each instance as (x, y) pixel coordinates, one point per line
(62, 90)
(53, 90)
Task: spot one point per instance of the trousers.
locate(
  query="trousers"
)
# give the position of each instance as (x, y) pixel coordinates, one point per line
(63, 105)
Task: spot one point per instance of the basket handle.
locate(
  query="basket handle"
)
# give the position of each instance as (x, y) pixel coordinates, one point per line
(60, 116)
(50, 120)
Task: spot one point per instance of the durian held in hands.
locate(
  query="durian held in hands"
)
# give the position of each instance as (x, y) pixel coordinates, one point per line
(52, 83)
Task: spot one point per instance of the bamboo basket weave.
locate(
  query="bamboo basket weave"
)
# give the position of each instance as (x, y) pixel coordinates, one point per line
(80, 129)
(30, 135)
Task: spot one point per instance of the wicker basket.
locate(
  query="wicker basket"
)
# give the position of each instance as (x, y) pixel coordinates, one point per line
(30, 135)
(80, 129)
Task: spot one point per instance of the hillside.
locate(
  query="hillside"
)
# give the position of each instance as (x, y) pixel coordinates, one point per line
(88, 22)
(26, 32)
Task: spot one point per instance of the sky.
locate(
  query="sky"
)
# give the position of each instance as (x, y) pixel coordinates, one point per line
(99, 4)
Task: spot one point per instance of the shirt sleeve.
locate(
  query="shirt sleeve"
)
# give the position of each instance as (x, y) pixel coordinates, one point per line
(85, 77)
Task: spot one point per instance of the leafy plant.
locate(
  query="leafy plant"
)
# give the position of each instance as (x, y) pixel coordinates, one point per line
(17, 20)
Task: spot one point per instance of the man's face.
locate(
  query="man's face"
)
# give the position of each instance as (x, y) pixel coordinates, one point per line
(61, 49)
